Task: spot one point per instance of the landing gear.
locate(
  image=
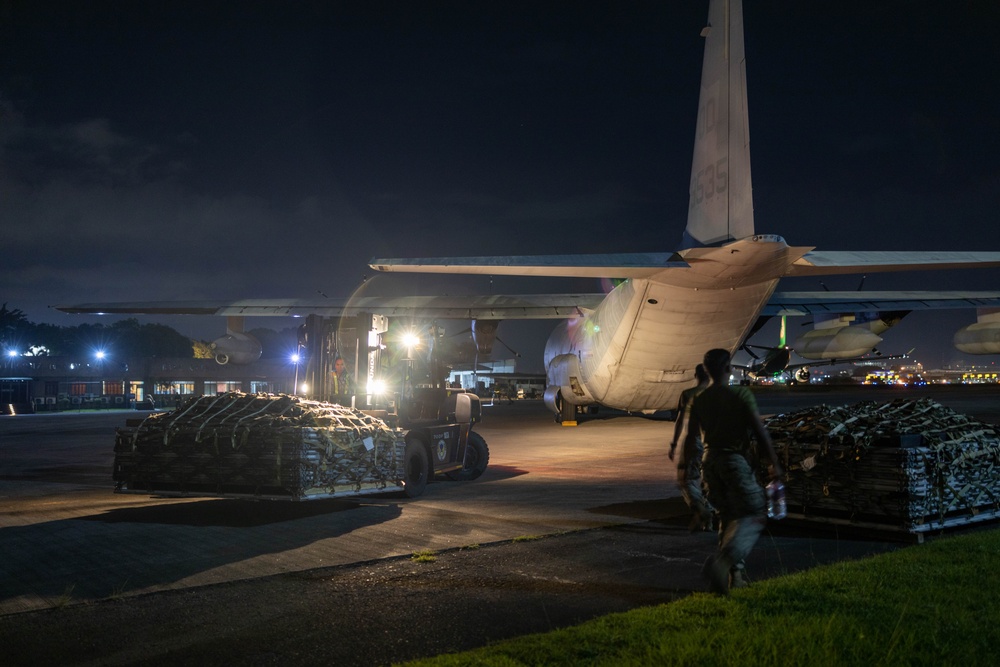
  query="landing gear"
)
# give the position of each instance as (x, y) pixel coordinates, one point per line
(564, 411)
(567, 413)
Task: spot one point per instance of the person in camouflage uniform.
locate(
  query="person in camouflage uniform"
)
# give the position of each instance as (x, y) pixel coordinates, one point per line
(689, 462)
(726, 416)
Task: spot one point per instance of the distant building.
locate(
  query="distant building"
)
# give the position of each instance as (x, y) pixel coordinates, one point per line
(964, 374)
(63, 383)
(498, 378)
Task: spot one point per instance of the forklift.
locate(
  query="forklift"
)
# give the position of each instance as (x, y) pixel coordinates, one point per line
(437, 420)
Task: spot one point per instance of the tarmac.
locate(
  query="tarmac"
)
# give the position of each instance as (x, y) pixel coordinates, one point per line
(568, 523)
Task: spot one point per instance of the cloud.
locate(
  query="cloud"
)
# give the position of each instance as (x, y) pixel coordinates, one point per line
(92, 213)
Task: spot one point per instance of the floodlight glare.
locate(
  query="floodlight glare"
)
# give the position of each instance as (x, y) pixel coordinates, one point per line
(411, 339)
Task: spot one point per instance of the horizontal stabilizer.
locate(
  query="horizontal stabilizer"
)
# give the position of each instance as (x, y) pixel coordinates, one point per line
(623, 265)
(823, 263)
(812, 303)
(496, 306)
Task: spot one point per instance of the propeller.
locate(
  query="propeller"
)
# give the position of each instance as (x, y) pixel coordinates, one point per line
(512, 350)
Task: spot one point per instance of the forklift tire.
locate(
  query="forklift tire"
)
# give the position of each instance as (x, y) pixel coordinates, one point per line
(477, 457)
(416, 463)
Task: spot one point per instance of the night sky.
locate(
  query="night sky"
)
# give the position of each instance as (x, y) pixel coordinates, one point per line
(177, 151)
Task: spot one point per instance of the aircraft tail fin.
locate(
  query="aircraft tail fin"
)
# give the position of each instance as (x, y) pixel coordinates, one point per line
(720, 208)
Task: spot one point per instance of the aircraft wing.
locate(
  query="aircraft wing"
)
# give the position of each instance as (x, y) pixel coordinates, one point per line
(497, 306)
(811, 303)
(525, 306)
(791, 368)
(830, 262)
(847, 360)
(620, 265)
(643, 265)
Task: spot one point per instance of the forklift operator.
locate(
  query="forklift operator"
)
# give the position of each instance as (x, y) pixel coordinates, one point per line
(341, 384)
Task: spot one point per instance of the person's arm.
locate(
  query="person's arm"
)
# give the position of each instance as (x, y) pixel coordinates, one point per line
(678, 426)
(694, 430)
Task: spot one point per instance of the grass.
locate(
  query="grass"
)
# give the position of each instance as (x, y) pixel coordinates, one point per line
(932, 604)
(118, 592)
(425, 556)
(65, 599)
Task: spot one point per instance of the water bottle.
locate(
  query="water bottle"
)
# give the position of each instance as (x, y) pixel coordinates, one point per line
(776, 500)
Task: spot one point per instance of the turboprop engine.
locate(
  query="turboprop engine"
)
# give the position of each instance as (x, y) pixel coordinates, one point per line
(836, 343)
(978, 338)
(236, 347)
(484, 333)
(983, 337)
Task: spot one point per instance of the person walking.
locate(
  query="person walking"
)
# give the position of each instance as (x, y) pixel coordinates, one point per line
(689, 461)
(726, 416)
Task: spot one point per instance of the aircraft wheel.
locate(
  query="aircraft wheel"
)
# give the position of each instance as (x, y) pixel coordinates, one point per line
(567, 412)
(416, 464)
(477, 457)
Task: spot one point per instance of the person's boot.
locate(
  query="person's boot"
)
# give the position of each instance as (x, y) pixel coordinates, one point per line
(737, 578)
(716, 570)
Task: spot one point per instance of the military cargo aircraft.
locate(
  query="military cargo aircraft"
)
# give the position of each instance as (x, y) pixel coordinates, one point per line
(636, 347)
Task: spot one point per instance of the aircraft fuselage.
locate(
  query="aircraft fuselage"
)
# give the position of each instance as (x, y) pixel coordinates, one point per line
(637, 351)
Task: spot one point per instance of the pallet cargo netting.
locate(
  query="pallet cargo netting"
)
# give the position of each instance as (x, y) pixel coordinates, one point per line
(261, 446)
(909, 465)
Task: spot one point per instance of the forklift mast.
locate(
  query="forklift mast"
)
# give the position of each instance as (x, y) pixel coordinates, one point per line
(358, 340)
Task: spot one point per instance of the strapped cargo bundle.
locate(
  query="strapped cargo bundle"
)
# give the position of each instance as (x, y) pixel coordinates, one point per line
(259, 446)
(910, 465)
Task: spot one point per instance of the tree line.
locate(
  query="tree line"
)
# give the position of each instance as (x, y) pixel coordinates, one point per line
(125, 339)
